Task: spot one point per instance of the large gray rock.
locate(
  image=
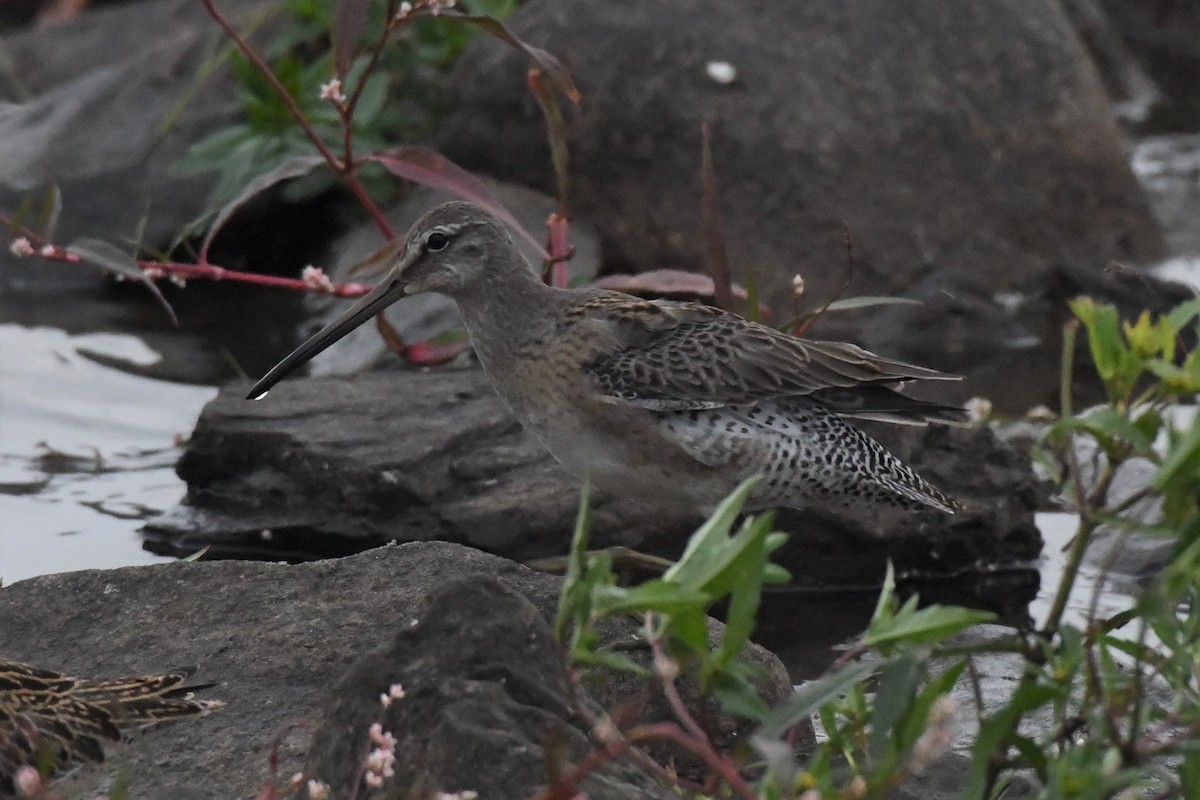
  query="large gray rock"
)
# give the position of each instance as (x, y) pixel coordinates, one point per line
(104, 115)
(328, 466)
(976, 136)
(278, 639)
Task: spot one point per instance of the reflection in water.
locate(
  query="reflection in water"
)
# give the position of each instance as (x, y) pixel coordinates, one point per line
(87, 452)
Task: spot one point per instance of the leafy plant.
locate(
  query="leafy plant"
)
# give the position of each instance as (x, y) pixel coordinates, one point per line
(1121, 694)
(394, 98)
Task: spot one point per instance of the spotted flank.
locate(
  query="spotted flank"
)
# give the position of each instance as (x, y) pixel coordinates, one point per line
(808, 456)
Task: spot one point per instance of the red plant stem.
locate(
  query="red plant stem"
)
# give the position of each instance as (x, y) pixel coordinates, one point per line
(670, 689)
(365, 200)
(344, 168)
(559, 248)
(279, 88)
(634, 754)
(389, 28)
(714, 235)
(209, 272)
(565, 787)
(269, 790)
(214, 273)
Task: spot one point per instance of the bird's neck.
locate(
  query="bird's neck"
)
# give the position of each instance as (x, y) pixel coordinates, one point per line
(507, 309)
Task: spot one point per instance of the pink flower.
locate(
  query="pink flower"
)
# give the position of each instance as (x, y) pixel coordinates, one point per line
(394, 692)
(332, 91)
(316, 279)
(382, 738)
(28, 782)
(318, 790)
(20, 247)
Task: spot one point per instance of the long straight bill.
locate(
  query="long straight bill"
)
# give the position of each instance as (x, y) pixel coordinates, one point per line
(382, 296)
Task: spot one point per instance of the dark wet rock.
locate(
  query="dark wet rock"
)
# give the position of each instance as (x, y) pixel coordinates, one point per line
(977, 137)
(1007, 345)
(277, 638)
(1165, 38)
(482, 676)
(1133, 92)
(329, 466)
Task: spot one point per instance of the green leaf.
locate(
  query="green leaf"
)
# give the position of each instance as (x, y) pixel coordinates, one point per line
(115, 260)
(1149, 338)
(691, 628)
(210, 153)
(1104, 337)
(1176, 380)
(610, 660)
(930, 624)
(371, 102)
(885, 606)
(1189, 774)
(1110, 427)
(747, 581)
(1000, 728)
(1114, 362)
(705, 545)
(814, 694)
(869, 301)
(656, 595)
(738, 696)
(574, 600)
(1182, 459)
(897, 687)
(917, 719)
(1184, 313)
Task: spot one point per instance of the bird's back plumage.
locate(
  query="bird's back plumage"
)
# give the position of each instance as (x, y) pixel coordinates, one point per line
(740, 398)
(50, 720)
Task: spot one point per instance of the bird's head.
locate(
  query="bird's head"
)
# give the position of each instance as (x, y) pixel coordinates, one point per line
(450, 250)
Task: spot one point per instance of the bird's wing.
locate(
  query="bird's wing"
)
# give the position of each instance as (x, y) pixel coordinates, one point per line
(678, 356)
(883, 404)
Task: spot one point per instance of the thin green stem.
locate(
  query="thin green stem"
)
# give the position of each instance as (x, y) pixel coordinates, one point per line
(1079, 545)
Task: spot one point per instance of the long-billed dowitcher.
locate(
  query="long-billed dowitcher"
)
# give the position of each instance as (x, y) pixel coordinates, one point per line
(668, 400)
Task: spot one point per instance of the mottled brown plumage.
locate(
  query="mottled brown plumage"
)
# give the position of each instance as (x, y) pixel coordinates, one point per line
(49, 720)
(674, 401)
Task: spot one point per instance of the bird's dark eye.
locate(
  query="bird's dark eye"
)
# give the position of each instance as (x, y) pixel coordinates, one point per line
(437, 241)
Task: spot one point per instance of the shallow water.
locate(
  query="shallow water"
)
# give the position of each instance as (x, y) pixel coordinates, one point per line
(87, 452)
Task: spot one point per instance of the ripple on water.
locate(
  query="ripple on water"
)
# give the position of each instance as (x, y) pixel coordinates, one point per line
(87, 452)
